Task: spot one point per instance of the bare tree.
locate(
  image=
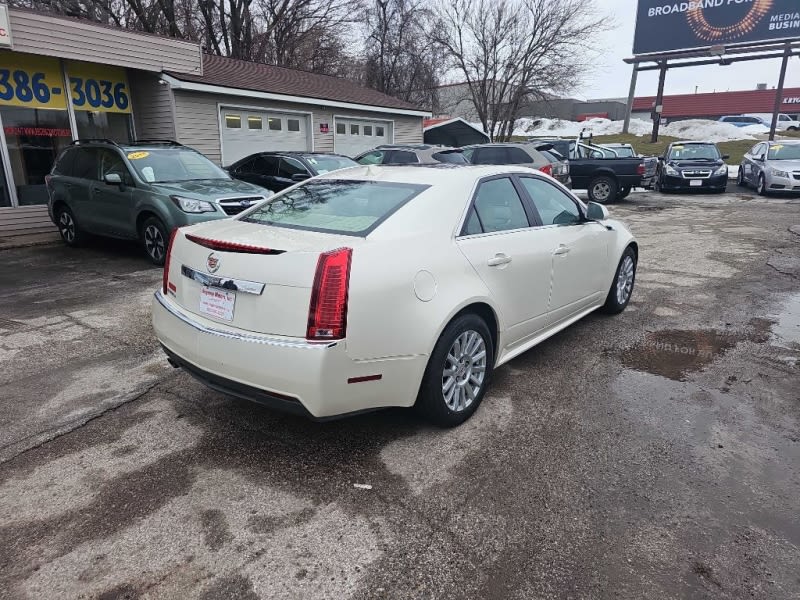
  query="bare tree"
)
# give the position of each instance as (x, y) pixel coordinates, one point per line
(399, 59)
(511, 51)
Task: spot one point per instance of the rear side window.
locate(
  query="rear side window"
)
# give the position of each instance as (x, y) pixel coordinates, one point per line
(265, 165)
(336, 206)
(499, 207)
(518, 156)
(489, 156)
(452, 157)
(64, 164)
(85, 165)
(401, 157)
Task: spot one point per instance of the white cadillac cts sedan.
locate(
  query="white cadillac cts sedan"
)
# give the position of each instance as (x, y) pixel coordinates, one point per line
(387, 286)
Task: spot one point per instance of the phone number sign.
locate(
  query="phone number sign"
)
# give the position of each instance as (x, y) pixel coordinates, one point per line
(32, 81)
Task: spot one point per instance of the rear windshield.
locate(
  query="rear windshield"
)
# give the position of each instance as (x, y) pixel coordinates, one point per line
(552, 155)
(454, 156)
(325, 163)
(335, 206)
(694, 152)
(622, 151)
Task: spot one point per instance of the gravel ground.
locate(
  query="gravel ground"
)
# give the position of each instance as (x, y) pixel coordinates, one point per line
(651, 455)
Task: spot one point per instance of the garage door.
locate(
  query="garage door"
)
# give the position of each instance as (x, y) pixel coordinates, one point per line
(354, 136)
(245, 132)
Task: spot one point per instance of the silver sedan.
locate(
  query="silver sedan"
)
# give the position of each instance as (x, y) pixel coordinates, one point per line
(772, 167)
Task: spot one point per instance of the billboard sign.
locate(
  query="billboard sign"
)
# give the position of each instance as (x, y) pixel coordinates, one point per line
(666, 26)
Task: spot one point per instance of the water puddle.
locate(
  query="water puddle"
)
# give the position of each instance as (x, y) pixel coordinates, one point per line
(675, 353)
(786, 326)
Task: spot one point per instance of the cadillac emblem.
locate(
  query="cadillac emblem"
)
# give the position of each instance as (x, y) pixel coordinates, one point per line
(212, 263)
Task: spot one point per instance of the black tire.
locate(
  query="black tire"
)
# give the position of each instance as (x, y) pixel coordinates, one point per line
(624, 192)
(761, 188)
(603, 189)
(154, 238)
(740, 178)
(432, 401)
(614, 304)
(71, 233)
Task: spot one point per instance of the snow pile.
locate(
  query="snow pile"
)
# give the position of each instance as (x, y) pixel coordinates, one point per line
(711, 131)
(695, 129)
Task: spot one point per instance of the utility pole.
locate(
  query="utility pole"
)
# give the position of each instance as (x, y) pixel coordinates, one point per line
(779, 92)
(659, 107)
(631, 94)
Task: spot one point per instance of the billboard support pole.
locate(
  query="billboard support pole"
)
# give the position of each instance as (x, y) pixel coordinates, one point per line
(631, 94)
(662, 75)
(779, 92)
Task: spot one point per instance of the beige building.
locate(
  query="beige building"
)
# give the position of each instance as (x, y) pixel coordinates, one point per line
(63, 79)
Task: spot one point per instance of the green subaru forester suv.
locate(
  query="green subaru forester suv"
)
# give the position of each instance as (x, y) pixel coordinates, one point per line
(141, 190)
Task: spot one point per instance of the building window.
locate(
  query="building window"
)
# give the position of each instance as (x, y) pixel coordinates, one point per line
(341, 128)
(254, 123)
(275, 124)
(293, 124)
(379, 131)
(354, 129)
(233, 121)
(367, 129)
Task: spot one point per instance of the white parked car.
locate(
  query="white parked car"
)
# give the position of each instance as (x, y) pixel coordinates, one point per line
(383, 286)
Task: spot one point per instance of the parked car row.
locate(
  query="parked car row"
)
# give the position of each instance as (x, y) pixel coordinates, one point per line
(784, 123)
(771, 167)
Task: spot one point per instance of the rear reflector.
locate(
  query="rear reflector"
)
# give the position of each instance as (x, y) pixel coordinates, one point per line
(327, 312)
(365, 378)
(165, 284)
(231, 246)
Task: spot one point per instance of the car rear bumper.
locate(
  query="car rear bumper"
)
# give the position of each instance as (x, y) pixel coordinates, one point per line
(716, 182)
(318, 380)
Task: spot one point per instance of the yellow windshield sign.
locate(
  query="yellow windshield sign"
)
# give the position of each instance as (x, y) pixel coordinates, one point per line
(137, 155)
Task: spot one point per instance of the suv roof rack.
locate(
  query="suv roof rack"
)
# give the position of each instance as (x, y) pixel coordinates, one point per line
(93, 141)
(155, 142)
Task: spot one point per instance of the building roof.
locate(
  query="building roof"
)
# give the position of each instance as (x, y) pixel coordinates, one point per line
(240, 74)
(452, 132)
(720, 103)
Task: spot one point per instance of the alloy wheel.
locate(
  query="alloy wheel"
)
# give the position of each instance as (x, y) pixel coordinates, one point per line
(464, 371)
(154, 242)
(66, 226)
(625, 280)
(761, 184)
(601, 191)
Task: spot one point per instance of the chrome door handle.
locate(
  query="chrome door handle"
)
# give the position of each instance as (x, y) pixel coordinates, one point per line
(498, 260)
(561, 250)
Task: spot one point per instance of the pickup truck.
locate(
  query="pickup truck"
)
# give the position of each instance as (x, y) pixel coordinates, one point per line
(601, 171)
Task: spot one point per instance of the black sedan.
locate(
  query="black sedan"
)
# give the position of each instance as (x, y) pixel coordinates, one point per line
(692, 166)
(278, 170)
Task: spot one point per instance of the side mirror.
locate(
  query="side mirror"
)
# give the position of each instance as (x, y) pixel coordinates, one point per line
(113, 179)
(596, 212)
(300, 176)
(760, 158)
(726, 156)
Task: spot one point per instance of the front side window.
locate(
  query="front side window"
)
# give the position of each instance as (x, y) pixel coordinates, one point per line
(111, 162)
(265, 165)
(335, 206)
(553, 205)
(372, 158)
(291, 166)
(161, 165)
(325, 163)
(499, 207)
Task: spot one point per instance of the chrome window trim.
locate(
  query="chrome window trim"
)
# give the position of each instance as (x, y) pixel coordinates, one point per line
(225, 283)
(242, 337)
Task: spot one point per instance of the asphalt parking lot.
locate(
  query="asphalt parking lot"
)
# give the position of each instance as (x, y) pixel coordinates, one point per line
(651, 455)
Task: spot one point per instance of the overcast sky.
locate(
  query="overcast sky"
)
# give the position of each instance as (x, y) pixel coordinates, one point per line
(613, 76)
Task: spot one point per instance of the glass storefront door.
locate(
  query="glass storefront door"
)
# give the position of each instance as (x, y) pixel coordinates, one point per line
(34, 137)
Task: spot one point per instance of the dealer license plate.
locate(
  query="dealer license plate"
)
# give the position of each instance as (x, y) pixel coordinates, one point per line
(695, 182)
(217, 303)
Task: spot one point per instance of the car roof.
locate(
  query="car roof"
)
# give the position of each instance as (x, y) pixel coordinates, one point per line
(432, 174)
(693, 143)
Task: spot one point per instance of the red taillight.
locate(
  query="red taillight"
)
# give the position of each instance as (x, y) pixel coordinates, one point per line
(224, 246)
(166, 284)
(547, 169)
(327, 313)
(640, 169)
